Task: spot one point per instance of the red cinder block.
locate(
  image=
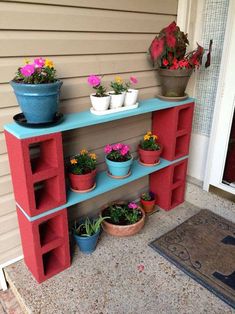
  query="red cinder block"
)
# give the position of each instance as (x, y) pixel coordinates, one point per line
(173, 126)
(39, 183)
(45, 244)
(168, 185)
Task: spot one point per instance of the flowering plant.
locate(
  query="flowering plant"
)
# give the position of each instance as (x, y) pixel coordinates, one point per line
(123, 213)
(168, 50)
(118, 85)
(132, 81)
(82, 163)
(149, 142)
(40, 71)
(147, 196)
(95, 82)
(117, 152)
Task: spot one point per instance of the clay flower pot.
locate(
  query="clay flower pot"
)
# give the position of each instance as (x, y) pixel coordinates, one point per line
(124, 230)
(149, 157)
(148, 206)
(82, 182)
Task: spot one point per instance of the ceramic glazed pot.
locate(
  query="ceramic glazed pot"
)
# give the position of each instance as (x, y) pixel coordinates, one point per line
(87, 245)
(148, 206)
(38, 102)
(100, 103)
(116, 100)
(119, 169)
(131, 97)
(174, 82)
(82, 182)
(124, 231)
(149, 156)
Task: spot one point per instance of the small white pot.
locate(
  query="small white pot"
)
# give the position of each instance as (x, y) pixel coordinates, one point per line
(117, 100)
(131, 97)
(100, 103)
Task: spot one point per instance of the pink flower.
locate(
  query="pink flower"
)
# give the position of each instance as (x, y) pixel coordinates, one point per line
(133, 80)
(27, 70)
(39, 62)
(124, 150)
(132, 205)
(94, 80)
(117, 146)
(108, 149)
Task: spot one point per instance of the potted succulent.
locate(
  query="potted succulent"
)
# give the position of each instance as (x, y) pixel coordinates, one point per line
(82, 171)
(149, 150)
(131, 93)
(125, 219)
(100, 99)
(175, 66)
(37, 90)
(118, 160)
(147, 200)
(118, 93)
(86, 233)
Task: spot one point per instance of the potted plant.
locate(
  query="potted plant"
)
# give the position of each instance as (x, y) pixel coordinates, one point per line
(86, 233)
(37, 90)
(131, 93)
(82, 171)
(125, 219)
(175, 66)
(149, 150)
(147, 200)
(118, 93)
(118, 160)
(100, 99)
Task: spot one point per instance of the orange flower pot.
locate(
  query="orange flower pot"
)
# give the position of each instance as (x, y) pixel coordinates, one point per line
(149, 156)
(148, 206)
(82, 182)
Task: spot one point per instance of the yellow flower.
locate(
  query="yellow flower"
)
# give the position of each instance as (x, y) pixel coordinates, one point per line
(146, 137)
(73, 161)
(26, 61)
(49, 63)
(83, 152)
(149, 133)
(155, 137)
(118, 80)
(93, 156)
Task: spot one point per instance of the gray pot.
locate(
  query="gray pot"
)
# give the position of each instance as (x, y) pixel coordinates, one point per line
(174, 82)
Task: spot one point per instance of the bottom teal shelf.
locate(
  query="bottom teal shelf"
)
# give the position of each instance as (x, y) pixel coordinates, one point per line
(104, 183)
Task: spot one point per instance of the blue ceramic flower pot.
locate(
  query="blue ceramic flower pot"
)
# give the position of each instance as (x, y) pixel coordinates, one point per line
(87, 245)
(119, 169)
(38, 102)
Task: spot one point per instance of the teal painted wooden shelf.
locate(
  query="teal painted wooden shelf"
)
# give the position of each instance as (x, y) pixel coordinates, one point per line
(104, 183)
(85, 118)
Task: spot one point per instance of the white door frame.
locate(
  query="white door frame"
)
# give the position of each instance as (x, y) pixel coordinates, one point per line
(223, 111)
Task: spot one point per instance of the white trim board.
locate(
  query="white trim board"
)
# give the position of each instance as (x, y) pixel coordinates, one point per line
(3, 283)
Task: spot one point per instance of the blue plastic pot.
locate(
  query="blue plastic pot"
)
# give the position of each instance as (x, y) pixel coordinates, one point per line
(87, 245)
(119, 169)
(38, 102)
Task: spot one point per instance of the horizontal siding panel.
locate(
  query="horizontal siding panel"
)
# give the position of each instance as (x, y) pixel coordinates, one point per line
(78, 66)
(19, 16)
(9, 240)
(13, 253)
(7, 204)
(5, 185)
(6, 115)
(3, 146)
(27, 43)
(4, 165)
(151, 6)
(8, 222)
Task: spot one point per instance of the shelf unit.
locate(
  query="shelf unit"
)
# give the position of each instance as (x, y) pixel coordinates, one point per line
(37, 168)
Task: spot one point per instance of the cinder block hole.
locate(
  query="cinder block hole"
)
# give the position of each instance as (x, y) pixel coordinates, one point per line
(46, 194)
(53, 260)
(179, 172)
(177, 196)
(184, 119)
(181, 147)
(51, 229)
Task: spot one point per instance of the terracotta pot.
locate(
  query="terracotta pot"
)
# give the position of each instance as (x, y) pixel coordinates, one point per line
(148, 206)
(174, 82)
(149, 156)
(82, 182)
(123, 231)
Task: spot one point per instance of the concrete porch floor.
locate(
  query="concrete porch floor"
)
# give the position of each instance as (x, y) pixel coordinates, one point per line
(109, 281)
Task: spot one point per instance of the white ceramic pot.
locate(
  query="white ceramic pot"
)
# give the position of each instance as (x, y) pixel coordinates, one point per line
(117, 100)
(131, 97)
(100, 103)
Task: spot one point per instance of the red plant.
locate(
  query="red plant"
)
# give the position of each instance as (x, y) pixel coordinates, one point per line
(168, 50)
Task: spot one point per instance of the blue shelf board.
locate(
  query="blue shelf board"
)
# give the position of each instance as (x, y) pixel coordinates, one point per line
(105, 183)
(85, 118)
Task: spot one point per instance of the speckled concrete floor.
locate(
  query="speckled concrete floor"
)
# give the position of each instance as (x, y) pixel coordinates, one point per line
(111, 281)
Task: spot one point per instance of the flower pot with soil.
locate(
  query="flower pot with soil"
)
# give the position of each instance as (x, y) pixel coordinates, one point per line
(82, 172)
(149, 150)
(148, 201)
(118, 160)
(126, 219)
(100, 100)
(131, 93)
(118, 93)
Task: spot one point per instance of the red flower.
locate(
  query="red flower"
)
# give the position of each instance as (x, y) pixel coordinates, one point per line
(156, 48)
(175, 65)
(170, 28)
(170, 40)
(183, 63)
(165, 62)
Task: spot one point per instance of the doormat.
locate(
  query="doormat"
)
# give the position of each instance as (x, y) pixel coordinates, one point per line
(204, 248)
